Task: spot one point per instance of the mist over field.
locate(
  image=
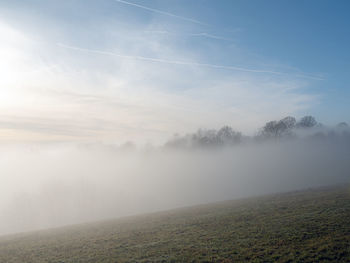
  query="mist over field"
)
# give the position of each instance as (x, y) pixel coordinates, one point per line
(48, 185)
(115, 108)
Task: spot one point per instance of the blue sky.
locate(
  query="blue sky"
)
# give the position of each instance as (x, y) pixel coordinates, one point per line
(142, 70)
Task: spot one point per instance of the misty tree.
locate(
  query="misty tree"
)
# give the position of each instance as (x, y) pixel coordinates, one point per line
(277, 129)
(342, 125)
(284, 128)
(128, 146)
(343, 130)
(289, 122)
(177, 142)
(205, 138)
(307, 122)
(227, 136)
(273, 129)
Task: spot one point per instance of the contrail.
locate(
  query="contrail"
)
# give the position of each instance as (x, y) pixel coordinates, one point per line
(178, 62)
(210, 36)
(202, 34)
(160, 12)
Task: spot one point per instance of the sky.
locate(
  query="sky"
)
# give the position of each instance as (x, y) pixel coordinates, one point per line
(119, 70)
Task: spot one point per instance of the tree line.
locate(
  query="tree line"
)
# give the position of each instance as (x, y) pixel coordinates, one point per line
(287, 128)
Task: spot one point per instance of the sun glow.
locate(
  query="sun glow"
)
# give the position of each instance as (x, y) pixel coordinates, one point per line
(13, 65)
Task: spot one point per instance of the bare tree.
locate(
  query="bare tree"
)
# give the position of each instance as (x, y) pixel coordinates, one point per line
(289, 121)
(307, 122)
(227, 136)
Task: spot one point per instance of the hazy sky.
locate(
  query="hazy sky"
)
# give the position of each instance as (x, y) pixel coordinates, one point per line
(113, 70)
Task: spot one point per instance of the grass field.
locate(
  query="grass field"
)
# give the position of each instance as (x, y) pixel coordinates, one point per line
(304, 226)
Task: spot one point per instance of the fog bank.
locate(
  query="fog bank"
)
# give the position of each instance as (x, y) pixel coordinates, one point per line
(53, 185)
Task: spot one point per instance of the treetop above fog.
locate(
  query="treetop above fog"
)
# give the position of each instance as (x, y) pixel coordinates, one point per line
(287, 128)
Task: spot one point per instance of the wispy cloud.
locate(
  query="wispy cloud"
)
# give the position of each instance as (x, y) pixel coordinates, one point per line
(65, 92)
(161, 12)
(185, 63)
(201, 34)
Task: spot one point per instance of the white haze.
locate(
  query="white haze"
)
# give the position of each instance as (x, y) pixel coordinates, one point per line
(52, 185)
